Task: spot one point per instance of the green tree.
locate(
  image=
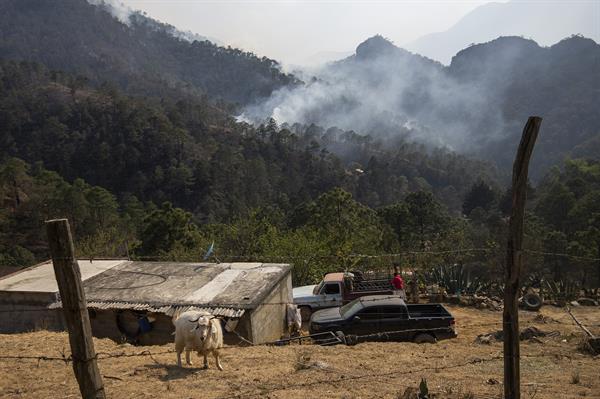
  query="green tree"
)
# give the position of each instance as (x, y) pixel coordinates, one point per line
(554, 206)
(345, 225)
(427, 218)
(307, 252)
(14, 182)
(555, 242)
(481, 195)
(590, 238)
(397, 217)
(166, 228)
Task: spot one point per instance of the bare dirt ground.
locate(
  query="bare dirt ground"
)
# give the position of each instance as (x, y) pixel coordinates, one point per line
(457, 368)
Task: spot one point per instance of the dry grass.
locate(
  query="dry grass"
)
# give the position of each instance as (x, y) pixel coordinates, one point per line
(370, 370)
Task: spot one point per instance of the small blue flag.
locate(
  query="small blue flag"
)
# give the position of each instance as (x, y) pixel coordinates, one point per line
(210, 251)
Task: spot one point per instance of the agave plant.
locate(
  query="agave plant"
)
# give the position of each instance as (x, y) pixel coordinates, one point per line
(456, 280)
(562, 290)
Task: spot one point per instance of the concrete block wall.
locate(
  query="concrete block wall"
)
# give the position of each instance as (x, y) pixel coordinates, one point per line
(26, 318)
(268, 320)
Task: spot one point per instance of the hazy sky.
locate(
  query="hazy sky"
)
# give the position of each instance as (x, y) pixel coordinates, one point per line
(300, 32)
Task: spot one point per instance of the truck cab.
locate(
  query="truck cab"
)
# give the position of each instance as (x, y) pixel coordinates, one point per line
(337, 289)
(328, 293)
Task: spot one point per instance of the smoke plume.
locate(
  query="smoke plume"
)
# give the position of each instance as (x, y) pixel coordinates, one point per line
(385, 91)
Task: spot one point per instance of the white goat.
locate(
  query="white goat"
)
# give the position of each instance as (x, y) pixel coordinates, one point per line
(200, 332)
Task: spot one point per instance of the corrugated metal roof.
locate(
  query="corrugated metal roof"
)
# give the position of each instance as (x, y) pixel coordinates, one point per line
(168, 310)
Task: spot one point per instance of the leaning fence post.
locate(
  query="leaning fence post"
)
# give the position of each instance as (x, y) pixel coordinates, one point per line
(512, 383)
(75, 310)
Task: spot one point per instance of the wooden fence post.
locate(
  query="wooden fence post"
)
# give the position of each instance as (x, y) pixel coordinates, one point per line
(75, 310)
(512, 383)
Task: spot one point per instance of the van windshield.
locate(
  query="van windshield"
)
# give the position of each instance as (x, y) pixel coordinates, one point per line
(351, 307)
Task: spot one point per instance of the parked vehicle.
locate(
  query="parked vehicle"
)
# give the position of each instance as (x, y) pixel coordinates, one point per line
(386, 317)
(337, 289)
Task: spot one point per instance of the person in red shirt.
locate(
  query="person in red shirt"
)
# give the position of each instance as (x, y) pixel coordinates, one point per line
(398, 285)
(397, 282)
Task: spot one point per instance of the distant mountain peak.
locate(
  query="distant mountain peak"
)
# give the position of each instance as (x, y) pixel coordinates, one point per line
(499, 44)
(374, 47)
(576, 43)
(544, 21)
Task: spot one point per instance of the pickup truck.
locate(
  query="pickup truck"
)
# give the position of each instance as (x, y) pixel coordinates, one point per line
(337, 289)
(386, 317)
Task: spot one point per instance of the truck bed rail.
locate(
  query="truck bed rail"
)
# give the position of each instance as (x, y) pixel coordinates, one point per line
(372, 285)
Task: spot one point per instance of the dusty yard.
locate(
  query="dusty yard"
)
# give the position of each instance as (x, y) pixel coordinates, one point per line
(458, 368)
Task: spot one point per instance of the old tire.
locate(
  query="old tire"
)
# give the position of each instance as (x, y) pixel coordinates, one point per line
(532, 301)
(424, 338)
(351, 340)
(305, 313)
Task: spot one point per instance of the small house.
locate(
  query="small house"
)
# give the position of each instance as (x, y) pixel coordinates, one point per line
(135, 301)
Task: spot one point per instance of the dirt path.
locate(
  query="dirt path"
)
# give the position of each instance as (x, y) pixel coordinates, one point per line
(455, 368)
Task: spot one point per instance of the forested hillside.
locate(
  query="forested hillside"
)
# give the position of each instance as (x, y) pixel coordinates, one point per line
(321, 234)
(181, 151)
(561, 83)
(197, 158)
(190, 154)
(142, 58)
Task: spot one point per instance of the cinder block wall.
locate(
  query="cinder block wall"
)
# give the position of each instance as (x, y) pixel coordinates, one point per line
(25, 318)
(27, 311)
(269, 319)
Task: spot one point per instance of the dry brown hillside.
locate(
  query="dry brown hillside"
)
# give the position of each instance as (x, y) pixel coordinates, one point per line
(459, 368)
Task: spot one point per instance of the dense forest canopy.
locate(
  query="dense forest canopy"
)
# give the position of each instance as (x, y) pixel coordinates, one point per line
(192, 155)
(321, 234)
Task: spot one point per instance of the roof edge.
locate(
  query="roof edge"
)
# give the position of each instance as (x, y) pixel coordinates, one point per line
(256, 303)
(25, 269)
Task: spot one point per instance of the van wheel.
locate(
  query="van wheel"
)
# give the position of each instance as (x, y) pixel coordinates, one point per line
(424, 338)
(305, 312)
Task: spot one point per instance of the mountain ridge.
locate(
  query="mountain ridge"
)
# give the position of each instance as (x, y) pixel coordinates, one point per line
(143, 58)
